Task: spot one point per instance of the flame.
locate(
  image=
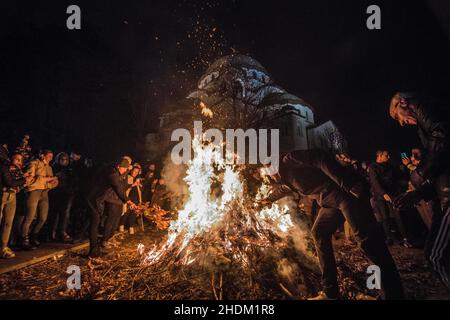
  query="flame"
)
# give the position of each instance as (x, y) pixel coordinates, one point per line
(207, 112)
(209, 209)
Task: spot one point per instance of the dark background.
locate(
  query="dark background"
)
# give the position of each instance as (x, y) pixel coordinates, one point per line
(100, 89)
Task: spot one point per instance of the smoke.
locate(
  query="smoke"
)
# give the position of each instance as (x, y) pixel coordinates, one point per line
(174, 175)
(299, 238)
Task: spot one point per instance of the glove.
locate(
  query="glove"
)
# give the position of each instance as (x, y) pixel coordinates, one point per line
(407, 199)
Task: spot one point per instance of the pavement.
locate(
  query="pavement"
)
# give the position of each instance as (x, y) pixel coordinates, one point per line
(45, 251)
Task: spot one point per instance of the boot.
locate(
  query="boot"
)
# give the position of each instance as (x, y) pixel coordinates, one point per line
(26, 245)
(95, 252)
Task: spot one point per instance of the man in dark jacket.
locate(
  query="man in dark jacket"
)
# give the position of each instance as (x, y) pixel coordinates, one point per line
(382, 182)
(108, 197)
(341, 195)
(431, 179)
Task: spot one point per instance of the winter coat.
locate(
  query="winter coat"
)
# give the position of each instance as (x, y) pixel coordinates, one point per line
(313, 173)
(434, 135)
(39, 171)
(381, 177)
(110, 187)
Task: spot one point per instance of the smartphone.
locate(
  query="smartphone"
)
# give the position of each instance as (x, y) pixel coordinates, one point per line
(403, 155)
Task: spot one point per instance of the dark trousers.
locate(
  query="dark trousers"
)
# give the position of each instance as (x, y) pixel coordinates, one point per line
(384, 211)
(338, 206)
(99, 208)
(128, 220)
(95, 212)
(437, 247)
(113, 213)
(60, 214)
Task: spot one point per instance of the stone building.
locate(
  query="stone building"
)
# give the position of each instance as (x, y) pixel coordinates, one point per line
(241, 94)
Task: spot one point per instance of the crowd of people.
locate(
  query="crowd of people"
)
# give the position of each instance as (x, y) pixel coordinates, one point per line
(388, 178)
(65, 198)
(375, 200)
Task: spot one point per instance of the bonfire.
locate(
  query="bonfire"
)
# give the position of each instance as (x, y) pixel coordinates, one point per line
(220, 230)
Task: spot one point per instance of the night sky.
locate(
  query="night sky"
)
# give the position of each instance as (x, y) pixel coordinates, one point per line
(85, 89)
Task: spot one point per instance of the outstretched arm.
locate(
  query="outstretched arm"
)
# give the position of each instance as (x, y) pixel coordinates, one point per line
(320, 159)
(118, 187)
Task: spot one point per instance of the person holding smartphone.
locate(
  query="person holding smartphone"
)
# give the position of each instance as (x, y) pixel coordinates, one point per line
(431, 178)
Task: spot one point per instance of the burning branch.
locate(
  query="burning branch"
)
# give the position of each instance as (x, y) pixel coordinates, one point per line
(155, 214)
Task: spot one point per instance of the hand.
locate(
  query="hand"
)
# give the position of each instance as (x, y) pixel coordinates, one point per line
(407, 199)
(137, 183)
(387, 198)
(406, 161)
(131, 205)
(28, 179)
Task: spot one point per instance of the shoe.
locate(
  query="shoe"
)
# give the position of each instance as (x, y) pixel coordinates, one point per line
(65, 238)
(131, 230)
(322, 296)
(406, 243)
(34, 241)
(121, 228)
(7, 253)
(26, 245)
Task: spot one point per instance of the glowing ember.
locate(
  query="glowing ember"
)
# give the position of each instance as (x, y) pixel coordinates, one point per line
(207, 112)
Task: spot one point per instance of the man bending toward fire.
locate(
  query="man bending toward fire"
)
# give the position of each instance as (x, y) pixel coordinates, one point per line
(342, 196)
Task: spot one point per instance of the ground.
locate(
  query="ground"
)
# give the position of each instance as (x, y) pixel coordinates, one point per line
(120, 275)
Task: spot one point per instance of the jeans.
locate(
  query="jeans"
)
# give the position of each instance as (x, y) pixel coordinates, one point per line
(99, 208)
(384, 211)
(36, 199)
(113, 212)
(96, 212)
(128, 219)
(338, 206)
(7, 211)
(60, 213)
